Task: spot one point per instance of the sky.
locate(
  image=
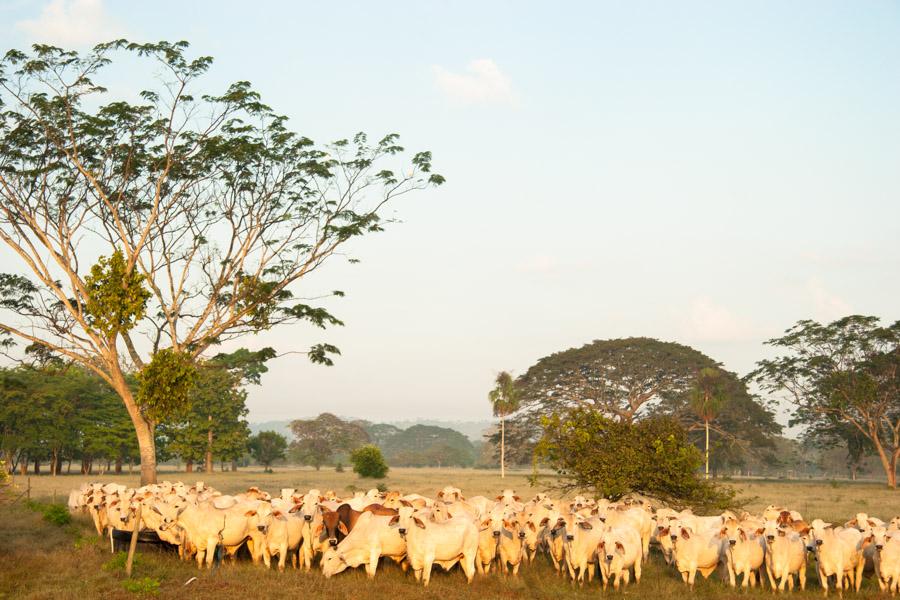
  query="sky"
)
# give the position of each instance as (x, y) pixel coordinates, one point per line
(701, 172)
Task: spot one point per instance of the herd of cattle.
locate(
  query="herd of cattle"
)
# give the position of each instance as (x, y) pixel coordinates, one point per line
(578, 535)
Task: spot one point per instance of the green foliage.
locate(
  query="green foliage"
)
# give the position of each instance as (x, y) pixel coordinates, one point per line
(317, 441)
(144, 585)
(633, 378)
(267, 447)
(118, 561)
(57, 514)
(504, 397)
(368, 462)
(339, 468)
(611, 459)
(428, 446)
(843, 380)
(116, 296)
(165, 384)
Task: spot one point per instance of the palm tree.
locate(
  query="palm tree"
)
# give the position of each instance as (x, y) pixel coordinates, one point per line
(707, 397)
(505, 401)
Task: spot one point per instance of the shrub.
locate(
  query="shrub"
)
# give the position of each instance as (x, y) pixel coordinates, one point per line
(117, 562)
(145, 585)
(339, 468)
(368, 462)
(652, 457)
(57, 514)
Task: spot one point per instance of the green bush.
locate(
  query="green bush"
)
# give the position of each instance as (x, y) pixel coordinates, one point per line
(145, 585)
(117, 562)
(339, 468)
(652, 457)
(368, 462)
(57, 514)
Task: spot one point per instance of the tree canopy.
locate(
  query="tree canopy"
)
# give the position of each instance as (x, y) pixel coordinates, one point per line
(317, 441)
(845, 373)
(267, 447)
(180, 220)
(634, 378)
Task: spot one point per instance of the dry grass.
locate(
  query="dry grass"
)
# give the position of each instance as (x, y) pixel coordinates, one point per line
(40, 560)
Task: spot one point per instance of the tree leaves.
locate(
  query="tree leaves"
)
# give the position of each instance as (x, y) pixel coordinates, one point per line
(116, 297)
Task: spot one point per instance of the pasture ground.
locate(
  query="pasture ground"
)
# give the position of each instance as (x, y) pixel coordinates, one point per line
(42, 560)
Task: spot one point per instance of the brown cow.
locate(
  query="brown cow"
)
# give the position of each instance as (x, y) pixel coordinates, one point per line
(337, 524)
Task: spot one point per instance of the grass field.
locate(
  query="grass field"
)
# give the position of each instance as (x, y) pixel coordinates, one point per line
(41, 560)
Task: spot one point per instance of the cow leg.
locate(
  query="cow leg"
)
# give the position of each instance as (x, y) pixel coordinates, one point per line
(282, 556)
(468, 566)
(637, 571)
(372, 564)
(801, 576)
(692, 574)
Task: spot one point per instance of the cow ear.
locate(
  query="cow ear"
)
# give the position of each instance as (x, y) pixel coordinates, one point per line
(419, 523)
(685, 533)
(760, 531)
(498, 498)
(406, 503)
(723, 531)
(743, 535)
(804, 531)
(516, 498)
(595, 511)
(318, 530)
(249, 513)
(486, 523)
(620, 547)
(440, 494)
(276, 513)
(156, 510)
(531, 526)
(394, 520)
(585, 525)
(180, 510)
(545, 521)
(461, 497)
(343, 528)
(295, 508)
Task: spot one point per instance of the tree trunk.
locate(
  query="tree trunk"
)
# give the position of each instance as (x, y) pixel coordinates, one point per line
(706, 421)
(209, 442)
(37, 466)
(143, 429)
(889, 463)
(233, 465)
(188, 466)
(23, 468)
(502, 448)
(119, 465)
(69, 467)
(54, 460)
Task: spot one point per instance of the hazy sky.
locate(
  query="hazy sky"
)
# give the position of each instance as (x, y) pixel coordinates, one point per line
(702, 172)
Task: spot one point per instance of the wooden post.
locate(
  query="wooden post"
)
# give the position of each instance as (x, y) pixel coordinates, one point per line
(28, 490)
(134, 538)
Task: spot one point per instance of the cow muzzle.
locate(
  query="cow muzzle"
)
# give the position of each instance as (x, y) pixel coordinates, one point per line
(732, 542)
(332, 541)
(261, 528)
(521, 535)
(402, 531)
(609, 557)
(307, 518)
(570, 537)
(495, 533)
(879, 547)
(771, 538)
(673, 537)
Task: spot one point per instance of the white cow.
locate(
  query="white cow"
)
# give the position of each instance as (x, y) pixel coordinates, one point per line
(620, 551)
(427, 543)
(744, 553)
(372, 537)
(695, 551)
(785, 556)
(838, 554)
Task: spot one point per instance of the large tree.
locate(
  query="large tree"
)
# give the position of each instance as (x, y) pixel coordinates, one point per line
(267, 447)
(317, 440)
(154, 229)
(630, 379)
(844, 372)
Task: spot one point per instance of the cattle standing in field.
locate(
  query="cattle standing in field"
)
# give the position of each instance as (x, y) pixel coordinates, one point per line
(445, 544)
(785, 557)
(620, 552)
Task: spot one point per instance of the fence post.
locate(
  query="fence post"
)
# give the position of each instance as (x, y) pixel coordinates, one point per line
(134, 538)
(28, 489)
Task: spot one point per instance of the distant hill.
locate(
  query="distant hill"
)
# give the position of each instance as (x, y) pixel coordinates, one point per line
(474, 430)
